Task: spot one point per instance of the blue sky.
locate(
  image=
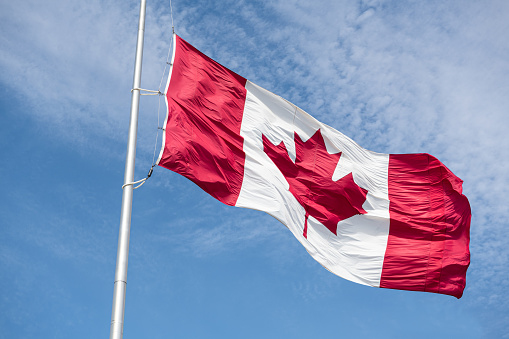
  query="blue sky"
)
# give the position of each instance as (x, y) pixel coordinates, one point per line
(397, 77)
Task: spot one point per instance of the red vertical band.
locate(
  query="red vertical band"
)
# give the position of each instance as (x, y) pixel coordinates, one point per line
(205, 107)
(428, 244)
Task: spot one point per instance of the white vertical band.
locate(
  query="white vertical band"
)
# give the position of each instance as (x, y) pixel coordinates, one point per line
(166, 98)
(357, 251)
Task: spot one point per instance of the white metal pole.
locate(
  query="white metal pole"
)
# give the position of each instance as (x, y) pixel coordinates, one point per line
(117, 314)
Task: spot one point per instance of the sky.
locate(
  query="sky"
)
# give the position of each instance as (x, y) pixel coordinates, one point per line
(396, 77)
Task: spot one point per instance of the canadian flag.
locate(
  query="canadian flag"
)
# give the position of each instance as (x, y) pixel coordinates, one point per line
(386, 220)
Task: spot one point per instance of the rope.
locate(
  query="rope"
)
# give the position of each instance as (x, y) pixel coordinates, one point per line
(157, 132)
(167, 62)
(158, 92)
(171, 15)
(160, 84)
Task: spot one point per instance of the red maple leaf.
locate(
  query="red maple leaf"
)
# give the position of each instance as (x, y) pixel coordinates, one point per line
(310, 180)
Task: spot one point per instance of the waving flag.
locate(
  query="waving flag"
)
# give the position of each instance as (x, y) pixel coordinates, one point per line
(385, 220)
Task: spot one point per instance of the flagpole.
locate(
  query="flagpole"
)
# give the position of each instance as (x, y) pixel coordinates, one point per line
(119, 290)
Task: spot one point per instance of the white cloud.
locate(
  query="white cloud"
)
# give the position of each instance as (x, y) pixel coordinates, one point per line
(208, 235)
(72, 63)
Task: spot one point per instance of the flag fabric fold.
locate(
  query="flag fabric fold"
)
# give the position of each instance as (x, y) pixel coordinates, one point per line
(386, 220)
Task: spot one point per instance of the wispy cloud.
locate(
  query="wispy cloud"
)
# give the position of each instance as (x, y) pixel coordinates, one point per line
(71, 63)
(208, 236)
